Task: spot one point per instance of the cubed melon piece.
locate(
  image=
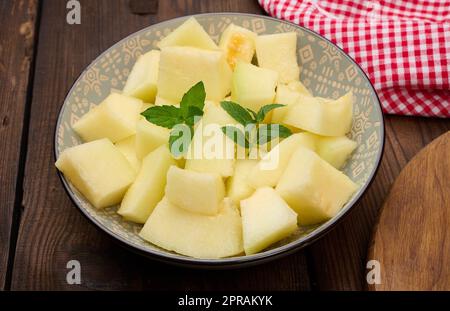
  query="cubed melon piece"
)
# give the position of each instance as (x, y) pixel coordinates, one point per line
(297, 86)
(327, 118)
(149, 136)
(159, 101)
(215, 114)
(279, 52)
(128, 148)
(238, 43)
(190, 33)
(180, 68)
(253, 87)
(195, 235)
(141, 82)
(335, 150)
(313, 187)
(115, 118)
(146, 106)
(238, 187)
(211, 151)
(148, 188)
(285, 96)
(270, 168)
(195, 192)
(98, 170)
(266, 219)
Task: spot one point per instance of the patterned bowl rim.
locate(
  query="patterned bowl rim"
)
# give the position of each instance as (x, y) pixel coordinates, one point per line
(246, 260)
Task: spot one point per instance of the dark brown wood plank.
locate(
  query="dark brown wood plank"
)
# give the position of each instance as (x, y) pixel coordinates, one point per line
(412, 238)
(339, 259)
(52, 231)
(18, 21)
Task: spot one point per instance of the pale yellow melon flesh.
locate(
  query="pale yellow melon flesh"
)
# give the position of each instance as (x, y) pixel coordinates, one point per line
(190, 33)
(314, 188)
(148, 188)
(195, 235)
(215, 114)
(279, 52)
(238, 187)
(238, 43)
(335, 150)
(128, 148)
(266, 219)
(98, 170)
(210, 151)
(115, 118)
(149, 137)
(141, 82)
(332, 118)
(180, 68)
(284, 96)
(159, 101)
(270, 168)
(195, 192)
(253, 87)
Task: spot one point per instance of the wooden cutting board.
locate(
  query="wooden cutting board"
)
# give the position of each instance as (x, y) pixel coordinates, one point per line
(412, 239)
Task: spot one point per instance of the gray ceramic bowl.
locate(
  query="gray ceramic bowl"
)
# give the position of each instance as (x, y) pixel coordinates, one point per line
(325, 69)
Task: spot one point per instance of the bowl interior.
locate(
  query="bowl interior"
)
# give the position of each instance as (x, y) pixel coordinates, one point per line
(325, 70)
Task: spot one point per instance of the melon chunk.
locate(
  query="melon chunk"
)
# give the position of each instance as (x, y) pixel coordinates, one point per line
(266, 219)
(313, 188)
(115, 118)
(279, 52)
(159, 101)
(195, 235)
(98, 170)
(285, 96)
(215, 114)
(270, 168)
(238, 43)
(238, 187)
(128, 148)
(253, 87)
(145, 106)
(148, 188)
(182, 67)
(190, 33)
(335, 150)
(327, 118)
(149, 137)
(211, 151)
(141, 82)
(195, 192)
(297, 86)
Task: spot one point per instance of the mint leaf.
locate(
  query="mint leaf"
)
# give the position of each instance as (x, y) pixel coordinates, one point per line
(267, 132)
(237, 112)
(195, 97)
(236, 135)
(165, 116)
(193, 113)
(264, 110)
(254, 115)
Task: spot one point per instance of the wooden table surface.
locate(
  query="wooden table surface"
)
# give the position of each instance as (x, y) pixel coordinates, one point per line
(41, 230)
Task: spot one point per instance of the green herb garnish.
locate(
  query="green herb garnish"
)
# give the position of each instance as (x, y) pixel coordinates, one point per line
(191, 109)
(255, 132)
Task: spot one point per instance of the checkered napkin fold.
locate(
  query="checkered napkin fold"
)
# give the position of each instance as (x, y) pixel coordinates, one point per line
(403, 45)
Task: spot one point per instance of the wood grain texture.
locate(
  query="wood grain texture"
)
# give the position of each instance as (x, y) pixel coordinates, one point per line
(18, 21)
(412, 238)
(52, 230)
(338, 261)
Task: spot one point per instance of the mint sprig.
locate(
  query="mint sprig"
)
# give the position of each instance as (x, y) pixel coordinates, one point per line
(191, 108)
(251, 120)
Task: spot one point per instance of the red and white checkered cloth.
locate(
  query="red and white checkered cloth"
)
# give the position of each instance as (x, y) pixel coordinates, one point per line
(403, 46)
